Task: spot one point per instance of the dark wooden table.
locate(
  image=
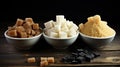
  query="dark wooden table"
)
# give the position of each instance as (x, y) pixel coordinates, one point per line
(10, 57)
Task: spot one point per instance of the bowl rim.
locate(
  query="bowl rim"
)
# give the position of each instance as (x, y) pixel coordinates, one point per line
(60, 38)
(21, 38)
(84, 35)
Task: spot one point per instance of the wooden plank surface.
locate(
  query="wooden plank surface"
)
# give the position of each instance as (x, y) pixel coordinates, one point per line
(9, 56)
(21, 59)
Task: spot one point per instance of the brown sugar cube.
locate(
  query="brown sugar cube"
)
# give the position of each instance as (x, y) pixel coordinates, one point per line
(27, 25)
(31, 60)
(37, 32)
(12, 33)
(33, 32)
(50, 59)
(43, 59)
(12, 28)
(20, 29)
(19, 22)
(29, 36)
(30, 20)
(28, 31)
(35, 26)
(43, 63)
(23, 34)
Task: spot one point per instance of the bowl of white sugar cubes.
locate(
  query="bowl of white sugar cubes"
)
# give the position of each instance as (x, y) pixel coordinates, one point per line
(60, 33)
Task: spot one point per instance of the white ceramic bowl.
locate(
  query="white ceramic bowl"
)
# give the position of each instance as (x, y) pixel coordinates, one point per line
(97, 42)
(60, 43)
(22, 43)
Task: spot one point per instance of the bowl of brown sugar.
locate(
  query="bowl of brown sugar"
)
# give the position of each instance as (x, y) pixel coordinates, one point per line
(24, 34)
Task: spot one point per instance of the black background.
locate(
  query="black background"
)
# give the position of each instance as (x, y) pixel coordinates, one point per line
(45, 10)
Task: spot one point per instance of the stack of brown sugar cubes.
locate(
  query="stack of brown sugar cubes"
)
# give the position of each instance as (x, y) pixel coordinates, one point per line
(24, 29)
(44, 61)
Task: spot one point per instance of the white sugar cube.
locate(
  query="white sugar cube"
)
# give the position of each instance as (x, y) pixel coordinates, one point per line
(62, 34)
(49, 24)
(64, 28)
(59, 18)
(54, 34)
(74, 26)
(57, 28)
(54, 23)
(69, 23)
(64, 24)
(72, 32)
(47, 31)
